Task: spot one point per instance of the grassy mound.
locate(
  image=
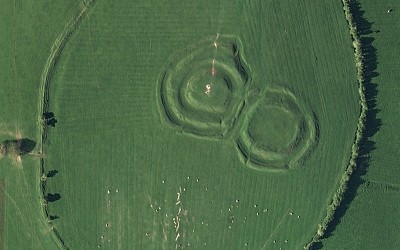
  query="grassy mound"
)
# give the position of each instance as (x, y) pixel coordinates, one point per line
(278, 133)
(202, 89)
(273, 128)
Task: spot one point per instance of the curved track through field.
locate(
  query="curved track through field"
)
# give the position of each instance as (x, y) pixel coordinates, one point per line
(44, 95)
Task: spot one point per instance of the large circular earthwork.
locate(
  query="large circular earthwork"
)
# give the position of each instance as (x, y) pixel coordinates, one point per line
(202, 90)
(279, 132)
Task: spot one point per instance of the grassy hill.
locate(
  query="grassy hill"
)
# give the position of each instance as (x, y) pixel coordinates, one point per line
(130, 177)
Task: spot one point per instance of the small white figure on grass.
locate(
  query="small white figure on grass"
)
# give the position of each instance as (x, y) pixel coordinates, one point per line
(208, 89)
(215, 41)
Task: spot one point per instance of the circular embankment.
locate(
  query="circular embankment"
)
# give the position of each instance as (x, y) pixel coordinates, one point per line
(278, 133)
(202, 90)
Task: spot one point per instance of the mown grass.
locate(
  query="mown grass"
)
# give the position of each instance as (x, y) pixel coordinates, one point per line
(110, 135)
(27, 32)
(273, 119)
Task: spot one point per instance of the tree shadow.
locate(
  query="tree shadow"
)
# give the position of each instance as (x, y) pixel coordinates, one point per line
(18, 146)
(48, 115)
(54, 217)
(52, 173)
(26, 145)
(51, 122)
(372, 123)
(52, 197)
(49, 119)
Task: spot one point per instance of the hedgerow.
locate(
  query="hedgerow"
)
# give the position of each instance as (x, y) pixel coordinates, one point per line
(360, 67)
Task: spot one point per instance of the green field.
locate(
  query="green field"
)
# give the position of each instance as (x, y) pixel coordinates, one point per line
(28, 30)
(131, 117)
(184, 124)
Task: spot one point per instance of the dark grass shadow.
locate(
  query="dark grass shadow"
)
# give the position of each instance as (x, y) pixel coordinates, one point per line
(372, 123)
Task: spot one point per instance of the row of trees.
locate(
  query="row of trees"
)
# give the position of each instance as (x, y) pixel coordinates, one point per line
(360, 66)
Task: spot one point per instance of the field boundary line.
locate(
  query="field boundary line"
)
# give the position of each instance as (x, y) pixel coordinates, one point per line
(349, 7)
(44, 101)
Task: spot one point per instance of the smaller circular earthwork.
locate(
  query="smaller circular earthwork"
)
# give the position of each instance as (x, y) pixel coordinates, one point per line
(202, 90)
(279, 132)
